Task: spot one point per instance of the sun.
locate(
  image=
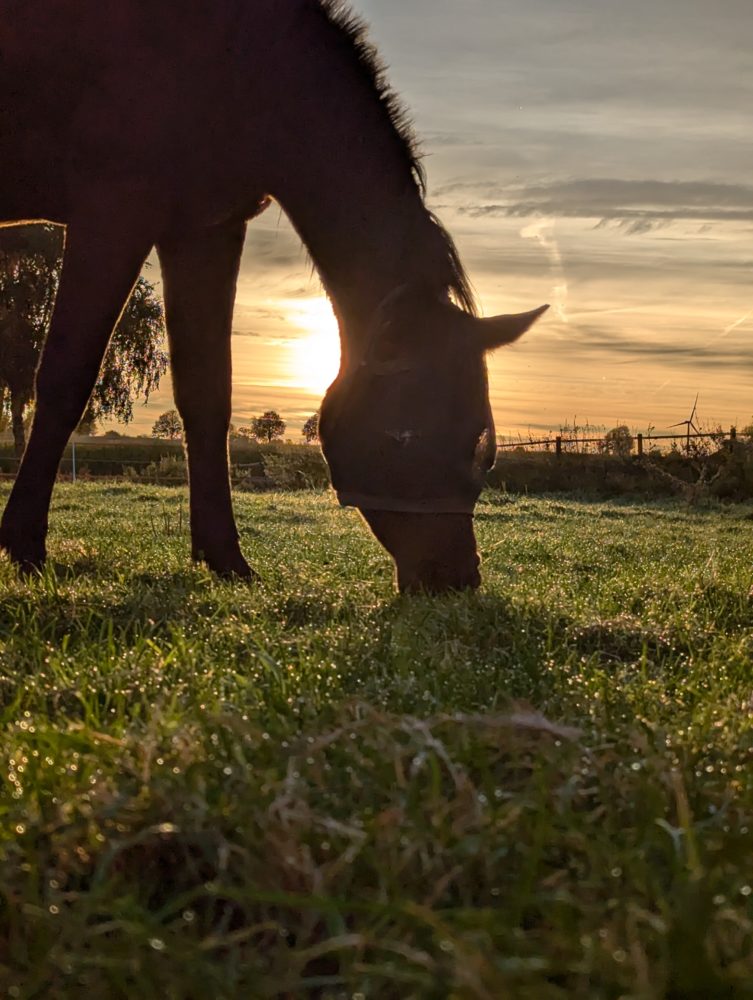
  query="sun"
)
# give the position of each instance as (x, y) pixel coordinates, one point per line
(315, 357)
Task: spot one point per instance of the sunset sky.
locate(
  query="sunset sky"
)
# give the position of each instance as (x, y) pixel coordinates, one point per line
(597, 155)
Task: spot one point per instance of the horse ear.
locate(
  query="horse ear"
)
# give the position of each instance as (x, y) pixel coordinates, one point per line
(496, 331)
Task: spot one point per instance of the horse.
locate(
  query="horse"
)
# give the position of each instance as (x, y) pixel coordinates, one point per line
(143, 123)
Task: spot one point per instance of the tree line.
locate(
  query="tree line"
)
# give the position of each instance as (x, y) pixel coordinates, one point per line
(267, 428)
(31, 260)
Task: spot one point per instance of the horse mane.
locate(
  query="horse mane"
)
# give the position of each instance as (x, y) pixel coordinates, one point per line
(353, 33)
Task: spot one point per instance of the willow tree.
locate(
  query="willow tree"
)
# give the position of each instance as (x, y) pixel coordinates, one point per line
(30, 263)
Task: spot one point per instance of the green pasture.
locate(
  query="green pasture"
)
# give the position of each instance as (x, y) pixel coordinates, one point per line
(314, 788)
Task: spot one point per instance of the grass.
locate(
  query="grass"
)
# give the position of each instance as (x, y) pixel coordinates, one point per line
(313, 788)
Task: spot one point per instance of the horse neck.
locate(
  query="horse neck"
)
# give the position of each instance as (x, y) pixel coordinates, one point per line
(364, 242)
(345, 177)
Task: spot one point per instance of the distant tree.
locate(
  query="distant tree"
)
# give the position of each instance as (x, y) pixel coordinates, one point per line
(747, 431)
(168, 425)
(242, 434)
(310, 429)
(619, 441)
(268, 426)
(30, 265)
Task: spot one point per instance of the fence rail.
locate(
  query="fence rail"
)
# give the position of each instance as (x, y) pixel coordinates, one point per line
(253, 474)
(74, 466)
(561, 442)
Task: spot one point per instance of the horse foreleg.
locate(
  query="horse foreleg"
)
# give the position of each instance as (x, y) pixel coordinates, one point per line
(103, 256)
(199, 272)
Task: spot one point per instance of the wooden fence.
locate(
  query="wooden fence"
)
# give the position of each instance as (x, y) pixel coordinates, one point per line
(253, 475)
(283, 467)
(137, 470)
(640, 442)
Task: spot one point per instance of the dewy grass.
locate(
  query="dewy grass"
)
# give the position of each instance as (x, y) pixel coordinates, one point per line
(312, 787)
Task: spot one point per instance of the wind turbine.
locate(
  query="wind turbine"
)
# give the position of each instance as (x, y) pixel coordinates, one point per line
(688, 424)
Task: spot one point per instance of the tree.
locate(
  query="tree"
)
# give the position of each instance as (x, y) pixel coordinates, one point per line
(310, 429)
(268, 426)
(31, 259)
(241, 433)
(29, 273)
(134, 362)
(619, 441)
(168, 425)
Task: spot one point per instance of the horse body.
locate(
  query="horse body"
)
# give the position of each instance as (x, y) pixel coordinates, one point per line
(124, 93)
(137, 127)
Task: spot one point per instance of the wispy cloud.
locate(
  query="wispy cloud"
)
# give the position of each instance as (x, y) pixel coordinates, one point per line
(542, 231)
(632, 206)
(591, 341)
(739, 322)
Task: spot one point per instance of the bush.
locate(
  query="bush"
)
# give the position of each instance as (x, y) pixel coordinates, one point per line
(619, 441)
(725, 474)
(592, 475)
(170, 469)
(731, 470)
(295, 468)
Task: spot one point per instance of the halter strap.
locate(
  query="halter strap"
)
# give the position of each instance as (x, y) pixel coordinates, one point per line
(442, 505)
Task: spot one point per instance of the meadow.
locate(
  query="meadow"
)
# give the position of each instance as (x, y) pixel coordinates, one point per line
(314, 788)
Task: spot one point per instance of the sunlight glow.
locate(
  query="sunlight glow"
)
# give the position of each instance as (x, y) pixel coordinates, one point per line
(314, 357)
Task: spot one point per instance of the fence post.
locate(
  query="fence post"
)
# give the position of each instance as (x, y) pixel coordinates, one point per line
(640, 445)
(733, 433)
(558, 446)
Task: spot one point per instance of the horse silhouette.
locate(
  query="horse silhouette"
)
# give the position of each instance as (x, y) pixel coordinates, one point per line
(143, 123)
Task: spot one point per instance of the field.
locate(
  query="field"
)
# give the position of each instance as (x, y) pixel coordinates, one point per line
(314, 788)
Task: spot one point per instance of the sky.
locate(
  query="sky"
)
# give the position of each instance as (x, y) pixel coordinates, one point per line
(594, 154)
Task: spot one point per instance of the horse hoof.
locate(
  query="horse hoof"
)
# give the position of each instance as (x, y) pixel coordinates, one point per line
(25, 563)
(29, 567)
(27, 557)
(240, 574)
(228, 566)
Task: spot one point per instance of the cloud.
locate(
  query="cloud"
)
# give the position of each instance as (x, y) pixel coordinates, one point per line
(253, 334)
(739, 322)
(542, 231)
(621, 347)
(632, 206)
(430, 139)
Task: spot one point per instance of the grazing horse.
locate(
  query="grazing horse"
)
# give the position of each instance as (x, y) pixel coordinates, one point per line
(143, 123)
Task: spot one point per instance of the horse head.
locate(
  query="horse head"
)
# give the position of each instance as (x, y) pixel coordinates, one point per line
(408, 434)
